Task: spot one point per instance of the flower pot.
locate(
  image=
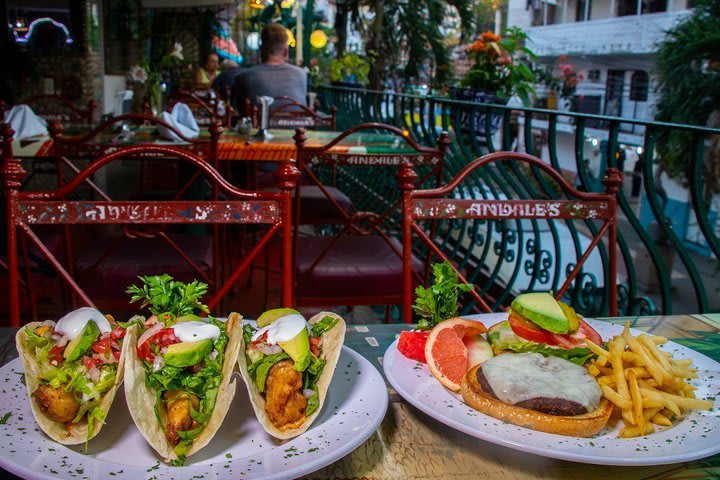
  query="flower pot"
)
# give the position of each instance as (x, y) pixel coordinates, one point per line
(478, 96)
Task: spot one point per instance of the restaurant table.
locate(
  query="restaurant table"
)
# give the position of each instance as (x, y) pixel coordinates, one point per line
(232, 146)
(411, 445)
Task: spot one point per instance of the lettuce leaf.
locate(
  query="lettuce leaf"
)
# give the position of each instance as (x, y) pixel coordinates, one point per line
(313, 402)
(501, 337)
(324, 325)
(260, 369)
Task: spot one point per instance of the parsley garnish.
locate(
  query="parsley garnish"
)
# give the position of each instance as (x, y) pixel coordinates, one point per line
(440, 301)
(4, 418)
(163, 295)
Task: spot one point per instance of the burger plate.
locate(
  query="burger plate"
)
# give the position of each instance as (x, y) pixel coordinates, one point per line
(695, 436)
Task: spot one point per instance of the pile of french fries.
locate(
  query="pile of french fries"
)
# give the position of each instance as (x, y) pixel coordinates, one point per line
(648, 386)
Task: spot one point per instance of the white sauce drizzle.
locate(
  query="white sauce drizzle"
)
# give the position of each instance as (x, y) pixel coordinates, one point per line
(515, 378)
(196, 331)
(73, 323)
(283, 329)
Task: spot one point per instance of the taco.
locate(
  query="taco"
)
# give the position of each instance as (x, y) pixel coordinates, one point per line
(73, 369)
(287, 365)
(179, 367)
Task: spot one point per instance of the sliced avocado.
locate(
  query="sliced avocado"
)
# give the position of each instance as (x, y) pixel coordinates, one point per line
(186, 354)
(77, 347)
(190, 318)
(298, 347)
(571, 316)
(271, 315)
(542, 309)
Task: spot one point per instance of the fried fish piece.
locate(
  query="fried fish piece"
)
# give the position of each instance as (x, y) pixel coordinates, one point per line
(56, 403)
(284, 401)
(177, 405)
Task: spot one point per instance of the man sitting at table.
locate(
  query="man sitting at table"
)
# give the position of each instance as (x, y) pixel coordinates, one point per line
(273, 77)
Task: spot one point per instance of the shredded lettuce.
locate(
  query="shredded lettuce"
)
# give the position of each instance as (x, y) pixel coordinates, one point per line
(248, 332)
(324, 325)
(260, 369)
(313, 402)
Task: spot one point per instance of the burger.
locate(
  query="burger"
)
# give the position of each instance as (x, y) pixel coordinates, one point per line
(544, 393)
(537, 323)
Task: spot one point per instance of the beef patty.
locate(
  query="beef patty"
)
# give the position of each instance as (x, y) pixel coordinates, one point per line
(551, 406)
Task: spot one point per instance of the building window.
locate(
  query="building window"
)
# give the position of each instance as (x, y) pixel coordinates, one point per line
(583, 13)
(639, 86)
(654, 6)
(593, 75)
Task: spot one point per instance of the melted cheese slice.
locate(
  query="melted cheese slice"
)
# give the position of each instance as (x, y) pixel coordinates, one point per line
(515, 378)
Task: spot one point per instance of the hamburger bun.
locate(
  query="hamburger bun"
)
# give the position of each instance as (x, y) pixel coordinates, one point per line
(585, 425)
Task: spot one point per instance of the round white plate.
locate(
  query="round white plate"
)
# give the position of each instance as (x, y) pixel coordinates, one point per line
(355, 406)
(695, 436)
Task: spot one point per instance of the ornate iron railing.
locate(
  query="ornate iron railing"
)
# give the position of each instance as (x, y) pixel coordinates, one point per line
(668, 248)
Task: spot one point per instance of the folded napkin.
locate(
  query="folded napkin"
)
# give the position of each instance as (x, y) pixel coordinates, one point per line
(122, 102)
(182, 119)
(25, 122)
(265, 103)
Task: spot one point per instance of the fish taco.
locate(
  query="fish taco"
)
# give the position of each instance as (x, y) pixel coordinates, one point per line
(287, 364)
(179, 367)
(73, 369)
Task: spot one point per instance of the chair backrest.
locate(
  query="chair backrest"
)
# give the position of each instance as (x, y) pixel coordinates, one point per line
(28, 209)
(205, 111)
(55, 107)
(288, 113)
(453, 202)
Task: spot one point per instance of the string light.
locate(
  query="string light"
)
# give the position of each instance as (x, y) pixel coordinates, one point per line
(318, 39)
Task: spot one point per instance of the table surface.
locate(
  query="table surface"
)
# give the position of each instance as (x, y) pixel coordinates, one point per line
(411, 445)
(232, 146)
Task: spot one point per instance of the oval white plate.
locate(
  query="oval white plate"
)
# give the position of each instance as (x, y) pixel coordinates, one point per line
(353, 410)
(696, 436)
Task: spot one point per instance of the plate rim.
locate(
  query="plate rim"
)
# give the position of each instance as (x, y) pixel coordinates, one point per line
(333, 455)
(556, 452)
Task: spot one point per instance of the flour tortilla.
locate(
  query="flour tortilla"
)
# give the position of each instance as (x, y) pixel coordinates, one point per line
(141, 399)
(331, 347)
(58, 430)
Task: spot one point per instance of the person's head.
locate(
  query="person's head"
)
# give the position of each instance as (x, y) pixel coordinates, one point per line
(274, 46)
(211, 62)
(228, 64)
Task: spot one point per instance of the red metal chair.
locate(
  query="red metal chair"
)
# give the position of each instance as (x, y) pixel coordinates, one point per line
(55, 107)
(205, 111)
(455, 201)
(28, 209)
(360, 263)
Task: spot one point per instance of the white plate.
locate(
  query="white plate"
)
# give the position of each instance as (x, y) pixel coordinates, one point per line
(696, 436)
(353, 410)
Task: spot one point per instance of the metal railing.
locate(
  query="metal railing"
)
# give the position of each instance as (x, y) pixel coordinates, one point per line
(662, 269)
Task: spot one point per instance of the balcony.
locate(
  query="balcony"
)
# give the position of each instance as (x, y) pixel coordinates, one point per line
(636, 34)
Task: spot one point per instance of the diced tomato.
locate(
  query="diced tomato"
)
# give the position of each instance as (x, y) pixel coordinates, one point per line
(116, 354)
(529, 331)
(90, 362)
(56, 353)
(103, 345)
(412, 345)
(261, 339)
(117, 333)
(164, 337)
(315, 346)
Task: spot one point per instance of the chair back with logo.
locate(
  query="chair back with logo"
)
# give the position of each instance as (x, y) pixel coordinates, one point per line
(474, 201)
(285, 112)
(55, 107)
(349, 194)
(26, 210)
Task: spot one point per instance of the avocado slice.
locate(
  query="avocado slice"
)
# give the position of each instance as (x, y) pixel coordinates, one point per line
(298, 348)
(77, 347)
(271, 315)
(190, 318)
(186, 354)
(542, 309)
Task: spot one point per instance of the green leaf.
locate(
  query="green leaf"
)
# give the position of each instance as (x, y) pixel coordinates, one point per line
(440, 301)
(324, 325)
(161, 294)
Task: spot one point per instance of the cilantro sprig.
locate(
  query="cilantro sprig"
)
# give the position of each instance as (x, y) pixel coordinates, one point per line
(163, 295)
(439, 301)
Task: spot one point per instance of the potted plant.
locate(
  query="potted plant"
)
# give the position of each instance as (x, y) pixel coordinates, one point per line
(350, 70)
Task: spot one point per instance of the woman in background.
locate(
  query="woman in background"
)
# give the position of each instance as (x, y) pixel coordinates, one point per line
(204, 76)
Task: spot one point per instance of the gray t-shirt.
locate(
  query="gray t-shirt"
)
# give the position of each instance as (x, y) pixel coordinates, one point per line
(270, 80)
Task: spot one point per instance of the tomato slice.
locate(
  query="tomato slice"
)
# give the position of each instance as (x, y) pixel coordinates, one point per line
(529, 331)
(103, 345)
(56, 353)
(577, 339)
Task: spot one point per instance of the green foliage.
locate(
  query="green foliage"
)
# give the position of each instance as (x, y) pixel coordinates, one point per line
(348, 65)
(163, 295)
(688, 63)
(500, 67)
(439, 301)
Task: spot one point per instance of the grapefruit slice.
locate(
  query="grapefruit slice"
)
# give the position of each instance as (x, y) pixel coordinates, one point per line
(446, 351)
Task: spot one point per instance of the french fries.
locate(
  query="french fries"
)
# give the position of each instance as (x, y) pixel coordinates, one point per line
(647, 386)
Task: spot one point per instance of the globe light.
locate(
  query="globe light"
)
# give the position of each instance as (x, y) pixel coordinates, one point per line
(291, 38)
(256, 3)
(253, 41)
(318, 39)
(287, 3)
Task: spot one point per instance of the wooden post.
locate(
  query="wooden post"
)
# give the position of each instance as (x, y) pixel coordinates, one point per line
(612, 181)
